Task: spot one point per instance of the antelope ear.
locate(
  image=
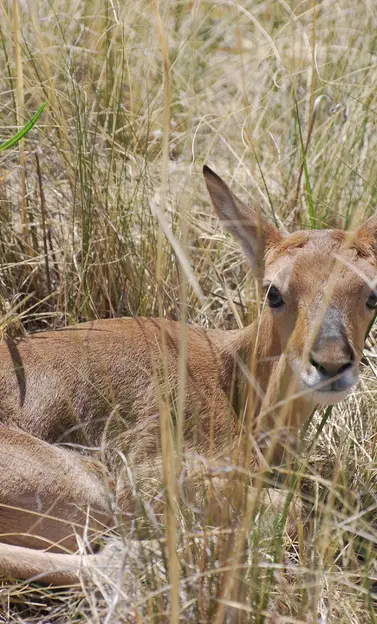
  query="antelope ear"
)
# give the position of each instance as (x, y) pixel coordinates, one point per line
(246, 224)
(369, 228)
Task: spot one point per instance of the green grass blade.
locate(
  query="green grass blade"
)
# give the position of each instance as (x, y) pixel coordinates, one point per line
(24, 131)
(306, 173)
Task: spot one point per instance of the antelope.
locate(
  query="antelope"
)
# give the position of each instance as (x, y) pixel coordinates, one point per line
(98, 384)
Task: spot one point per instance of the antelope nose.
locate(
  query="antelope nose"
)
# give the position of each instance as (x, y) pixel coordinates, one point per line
(330, 368)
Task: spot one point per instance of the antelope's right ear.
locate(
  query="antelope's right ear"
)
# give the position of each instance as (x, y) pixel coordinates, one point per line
(247, 225)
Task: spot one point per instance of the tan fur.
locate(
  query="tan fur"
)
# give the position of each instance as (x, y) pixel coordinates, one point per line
(97, 385)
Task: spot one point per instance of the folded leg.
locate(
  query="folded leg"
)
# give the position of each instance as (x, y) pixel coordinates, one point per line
(49, 497)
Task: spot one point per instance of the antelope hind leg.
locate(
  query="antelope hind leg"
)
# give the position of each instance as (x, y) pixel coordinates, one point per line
(18, 562)
(48, 495)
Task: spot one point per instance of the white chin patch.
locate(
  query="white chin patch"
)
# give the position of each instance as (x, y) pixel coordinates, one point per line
(329, 398)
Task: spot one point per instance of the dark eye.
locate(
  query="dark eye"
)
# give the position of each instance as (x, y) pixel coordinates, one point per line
(275, 300)
(372, 300)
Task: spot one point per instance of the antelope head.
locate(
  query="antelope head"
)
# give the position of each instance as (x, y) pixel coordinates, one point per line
(320, 292)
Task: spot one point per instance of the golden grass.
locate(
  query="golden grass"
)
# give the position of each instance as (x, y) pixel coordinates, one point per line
(114, 220)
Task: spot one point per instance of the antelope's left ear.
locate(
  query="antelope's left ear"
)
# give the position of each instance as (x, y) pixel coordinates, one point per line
(369, 228)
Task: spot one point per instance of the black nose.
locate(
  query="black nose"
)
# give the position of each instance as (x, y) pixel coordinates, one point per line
(330, 368)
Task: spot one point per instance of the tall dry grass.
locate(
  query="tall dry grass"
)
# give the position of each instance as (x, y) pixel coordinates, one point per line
(103, 213)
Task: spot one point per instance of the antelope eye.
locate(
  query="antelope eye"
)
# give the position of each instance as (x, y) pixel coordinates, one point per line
(275, 300)
(372, 300)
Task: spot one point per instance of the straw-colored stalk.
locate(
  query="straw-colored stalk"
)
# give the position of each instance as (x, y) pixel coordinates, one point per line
(20, 116)
(167, 445)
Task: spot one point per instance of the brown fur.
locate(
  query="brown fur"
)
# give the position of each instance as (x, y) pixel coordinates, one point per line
(99, 385)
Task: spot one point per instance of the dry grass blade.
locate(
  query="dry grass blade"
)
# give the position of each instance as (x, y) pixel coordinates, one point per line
(20, 116)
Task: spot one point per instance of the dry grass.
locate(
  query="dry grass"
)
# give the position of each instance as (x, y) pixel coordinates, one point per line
(116, 221)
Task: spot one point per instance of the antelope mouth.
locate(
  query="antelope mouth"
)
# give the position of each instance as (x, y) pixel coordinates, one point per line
(325, 389)
(329, 391)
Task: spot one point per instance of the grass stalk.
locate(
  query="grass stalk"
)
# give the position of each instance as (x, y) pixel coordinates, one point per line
(169, 462)
(309, 193)
(20, 117)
